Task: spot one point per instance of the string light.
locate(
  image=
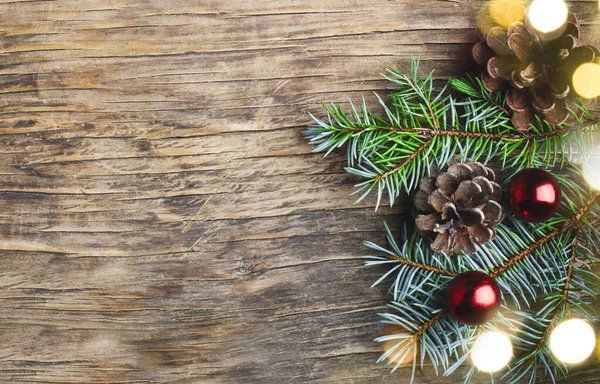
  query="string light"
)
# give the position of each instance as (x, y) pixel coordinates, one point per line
(547, 15)
(572, 341)
(586, 80)
(491, 351)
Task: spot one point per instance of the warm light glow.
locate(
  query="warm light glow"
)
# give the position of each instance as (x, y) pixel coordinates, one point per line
(586, 80)
(399, 346)
(485, 295)
(545, 193)
(506, 12)
(491, 352)
(547, 15)
(591, 169)
(572, 341)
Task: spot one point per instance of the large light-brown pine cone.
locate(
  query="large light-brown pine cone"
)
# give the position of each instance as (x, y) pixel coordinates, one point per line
(460, 206)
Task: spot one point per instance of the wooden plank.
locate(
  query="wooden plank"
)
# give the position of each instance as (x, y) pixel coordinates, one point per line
(163, 219)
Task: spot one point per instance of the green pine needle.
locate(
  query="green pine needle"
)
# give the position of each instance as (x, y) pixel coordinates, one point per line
(424, 128)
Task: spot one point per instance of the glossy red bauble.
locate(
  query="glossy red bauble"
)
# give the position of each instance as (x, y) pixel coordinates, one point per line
(533, 195)
(473, 298)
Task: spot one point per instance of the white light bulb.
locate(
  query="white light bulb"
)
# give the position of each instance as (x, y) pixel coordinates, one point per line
(547, 15)
(572, 341)
(492, 351)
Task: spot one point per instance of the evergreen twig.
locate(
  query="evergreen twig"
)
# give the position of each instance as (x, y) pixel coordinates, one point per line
(424, 128)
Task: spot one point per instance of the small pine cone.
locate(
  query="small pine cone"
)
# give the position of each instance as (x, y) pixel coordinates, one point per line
(459, 206)
(538, 72)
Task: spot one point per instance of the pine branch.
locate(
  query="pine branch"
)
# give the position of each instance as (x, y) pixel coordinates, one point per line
(517, 259)
(563, 304)
(422, 267)
(574, 221)
(425, 128)
(417, 270)
(404, 162)
(558, 310)
(476, 90)
(428, 133)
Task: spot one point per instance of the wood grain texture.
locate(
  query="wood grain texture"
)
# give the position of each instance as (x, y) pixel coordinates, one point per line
(162, 219)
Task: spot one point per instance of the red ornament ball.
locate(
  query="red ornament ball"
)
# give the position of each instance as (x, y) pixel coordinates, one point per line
(533, 195)
(473, 298)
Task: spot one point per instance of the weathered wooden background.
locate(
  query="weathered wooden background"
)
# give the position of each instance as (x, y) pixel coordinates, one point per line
(161, 217)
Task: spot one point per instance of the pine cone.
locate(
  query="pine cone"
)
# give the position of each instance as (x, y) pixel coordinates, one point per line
(460, 206)
(539, 72)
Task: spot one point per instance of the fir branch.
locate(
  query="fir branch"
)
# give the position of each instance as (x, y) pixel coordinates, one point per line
(423, 328)
(422, 267)
(562, 304)
(414, 269)
(404, 162)
(524, 253)
(429, 323)
(428, 133)
(474, 88)
(558, 306)
(424, 128)
(574, 221)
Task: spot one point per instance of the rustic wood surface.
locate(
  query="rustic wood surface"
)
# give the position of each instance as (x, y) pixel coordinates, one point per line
(163, 220)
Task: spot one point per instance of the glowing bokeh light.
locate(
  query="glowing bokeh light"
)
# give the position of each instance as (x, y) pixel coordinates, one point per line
(586, 80)
(572, 341)
(591, 168)
(506, 12)
(547, 15)
(399, 346)
(492, 351)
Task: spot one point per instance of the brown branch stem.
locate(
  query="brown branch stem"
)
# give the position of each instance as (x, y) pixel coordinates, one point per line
(563, 303)
(423, 267)
(428, 133)
(571, 222)
(404, 162)
(424, 327)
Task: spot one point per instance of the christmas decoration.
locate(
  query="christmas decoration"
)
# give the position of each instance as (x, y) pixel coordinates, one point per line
(491, 351)
(473, 298)
(533, 195)
(543, 268)
(460, 205)
(539, 71)
(548, 16)
(572, 341)
(395, 338)
(586, 80)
